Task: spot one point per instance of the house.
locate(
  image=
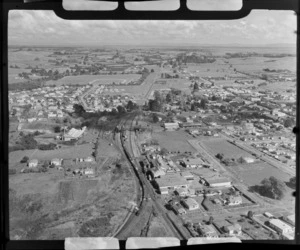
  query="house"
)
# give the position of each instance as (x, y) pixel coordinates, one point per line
(182, 191)
(280, 226)
(221, 182)
(33, 163)
(164, 190)
(234, 229)
(181, 211)
(207, 231)
(234, 200)
(171, 125)
(191, 204)
(89, 159)
(56, 162)
(192, 163)
(89, 172)
(246, 160)
(269, 215)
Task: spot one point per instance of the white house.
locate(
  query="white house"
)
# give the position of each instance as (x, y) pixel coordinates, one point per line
(56, 162)
(191, 204)
(33, 163)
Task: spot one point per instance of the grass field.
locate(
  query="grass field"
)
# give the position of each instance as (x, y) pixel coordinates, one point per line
(217, 145)
(253, 174)
(95, 79)
(174, 141)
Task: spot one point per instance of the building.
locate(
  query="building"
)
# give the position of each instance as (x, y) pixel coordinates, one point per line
(221, 182)
(246, 160)
(89, 159)
(191, 204)
(280, 226)
(89, 172)
(33, 163)
(207, 231)
(75, 133)
(187, 175)
(181, 211)
(56, 162)
(182, 191)
(172, 181)
(171, 126)
(289, 219)
(269, 215)
(234, 229)
(192, 163)
(234, 200)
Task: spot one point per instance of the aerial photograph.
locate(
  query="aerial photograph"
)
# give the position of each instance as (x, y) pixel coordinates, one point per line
(152, 128)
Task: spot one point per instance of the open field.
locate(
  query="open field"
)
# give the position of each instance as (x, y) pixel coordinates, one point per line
(68, 207)
(253, 174)
(173, 141)
(95, 79)
(219, 145)
(157, 228)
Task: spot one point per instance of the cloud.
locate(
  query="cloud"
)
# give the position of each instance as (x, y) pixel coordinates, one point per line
(44, 27)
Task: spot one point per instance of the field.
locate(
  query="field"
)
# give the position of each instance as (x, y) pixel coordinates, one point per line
(79, 151)
(173, 141)
(253, 174)
(68, 207)
(95, 79)
(217, 145)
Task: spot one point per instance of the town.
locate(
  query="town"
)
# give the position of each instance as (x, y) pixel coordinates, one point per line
(177, 142)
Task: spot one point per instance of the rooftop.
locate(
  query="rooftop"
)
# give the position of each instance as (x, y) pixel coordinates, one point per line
(171, 179)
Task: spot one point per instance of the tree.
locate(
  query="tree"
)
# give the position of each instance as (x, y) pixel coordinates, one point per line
(57, 129)
(272, 188)
(292, 182)
(164, 151)
(220, 156)
(196, 87)
(24, 159)
(211, 220)
(78, 109)
(121, 109)
(288, 123)
(250, 214)
(152, 70)
(154, 105)
(203, 103)
(155, 118)
(131, 105)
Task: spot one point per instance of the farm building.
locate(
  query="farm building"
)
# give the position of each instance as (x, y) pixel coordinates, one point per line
(193, 163)
(164, 190)
(222, 182)
(234, 200)
(246, 160)
(280, 226)
(172, 181)
(89, 172)
(56, 162)
(33, 163)
(234, 229)
(89, 159)
(191, 204)
(171, 125)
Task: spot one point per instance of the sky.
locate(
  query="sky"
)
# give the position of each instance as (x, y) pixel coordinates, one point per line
(260, 27)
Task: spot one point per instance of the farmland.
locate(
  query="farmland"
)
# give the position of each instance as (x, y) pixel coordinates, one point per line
(95, 79)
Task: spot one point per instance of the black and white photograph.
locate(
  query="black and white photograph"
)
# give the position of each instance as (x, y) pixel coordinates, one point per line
(152, 128)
